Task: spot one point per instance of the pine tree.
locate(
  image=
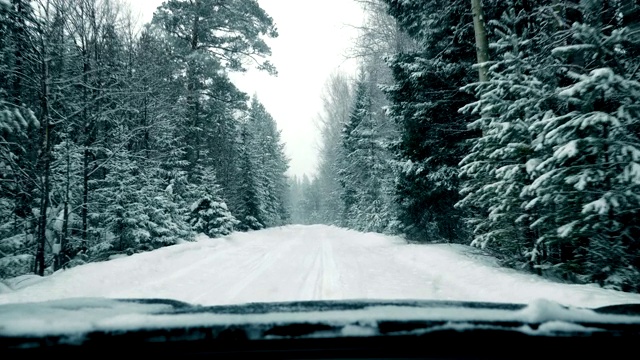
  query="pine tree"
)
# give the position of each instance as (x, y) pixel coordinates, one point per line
(587, 186)
(210, 39)
(263, 182)
(120, 208)
(208, 212)
(337, 103)
(348, 180)
(590, 181)
(296, 198)
(67, 193)
(273, 162)
(16, 245)
(250, 211)
(425, 98)
(365, 167)
(495, 170)
(20, 133)
(311, 204)
(110, 168)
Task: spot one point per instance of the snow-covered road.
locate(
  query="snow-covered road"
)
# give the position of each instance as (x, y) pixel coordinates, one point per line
(306, 263)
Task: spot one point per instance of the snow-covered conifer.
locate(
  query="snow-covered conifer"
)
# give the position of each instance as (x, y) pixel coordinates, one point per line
(588, 183)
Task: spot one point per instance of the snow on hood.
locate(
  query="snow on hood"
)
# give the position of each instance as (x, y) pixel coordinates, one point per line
(81, 316)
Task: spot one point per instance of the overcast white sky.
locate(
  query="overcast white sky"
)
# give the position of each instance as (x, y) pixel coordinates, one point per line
(314, 37)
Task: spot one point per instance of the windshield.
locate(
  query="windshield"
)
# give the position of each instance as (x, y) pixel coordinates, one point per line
(230, 152)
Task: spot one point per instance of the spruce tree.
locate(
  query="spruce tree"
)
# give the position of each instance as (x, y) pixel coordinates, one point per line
(16, 245)
(208, 212)
(365, 167)
(348, 172)
(425, 98)
(587, 185)
(250, 213)
(337, 102)
(495, 170)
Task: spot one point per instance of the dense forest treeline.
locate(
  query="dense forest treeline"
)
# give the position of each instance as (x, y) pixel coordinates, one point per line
(513, 126)
(115, 140)
(517, 132)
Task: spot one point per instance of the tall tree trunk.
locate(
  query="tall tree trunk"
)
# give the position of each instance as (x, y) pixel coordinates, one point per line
(194, 101)
(85, 158)
(44, 202)
(42, 238)
(482, 45)
(145, 124)
(60, 257)
(85, 197)
(23, 201)
(20, 41)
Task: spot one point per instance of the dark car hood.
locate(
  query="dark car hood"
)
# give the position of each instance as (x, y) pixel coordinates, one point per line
(78, 322)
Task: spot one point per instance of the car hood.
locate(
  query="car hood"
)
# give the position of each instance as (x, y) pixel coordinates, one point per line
(75, 322)
(72, 316)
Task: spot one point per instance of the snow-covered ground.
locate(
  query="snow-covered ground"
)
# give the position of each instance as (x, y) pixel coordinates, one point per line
(305, 263)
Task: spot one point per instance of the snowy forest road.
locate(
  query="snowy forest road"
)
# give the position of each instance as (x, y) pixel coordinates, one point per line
(306, 263)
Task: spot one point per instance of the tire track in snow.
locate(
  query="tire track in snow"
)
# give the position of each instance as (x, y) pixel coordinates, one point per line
(330, 284)
(321, 281)
(254, 270)
(311, 277)
(189, 270)
(307, 263)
